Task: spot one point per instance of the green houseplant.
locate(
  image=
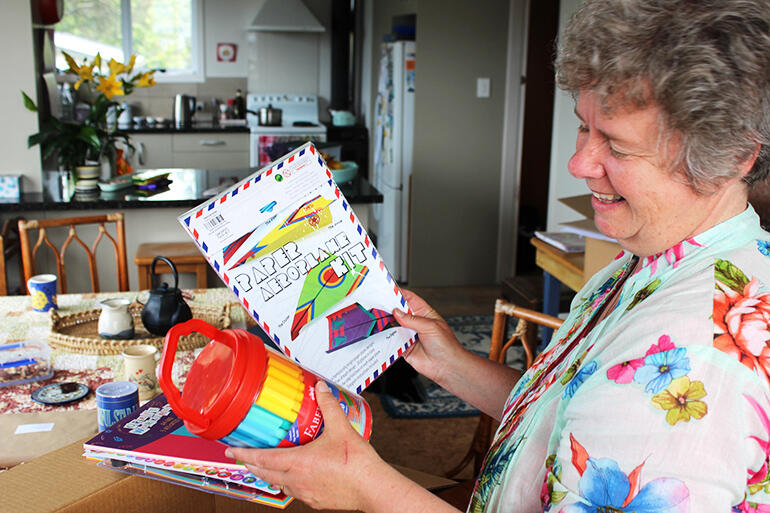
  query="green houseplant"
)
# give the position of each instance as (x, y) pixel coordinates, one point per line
(90, 140)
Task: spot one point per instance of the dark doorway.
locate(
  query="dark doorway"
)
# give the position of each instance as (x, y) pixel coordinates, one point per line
(536, 135)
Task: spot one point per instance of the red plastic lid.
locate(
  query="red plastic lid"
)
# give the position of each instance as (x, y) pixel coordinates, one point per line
(222, 382)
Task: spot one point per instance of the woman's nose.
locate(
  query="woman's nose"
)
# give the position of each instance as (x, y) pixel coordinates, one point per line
(587, 159)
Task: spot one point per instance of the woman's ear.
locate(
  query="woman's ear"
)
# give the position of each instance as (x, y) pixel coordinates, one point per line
(748, 164)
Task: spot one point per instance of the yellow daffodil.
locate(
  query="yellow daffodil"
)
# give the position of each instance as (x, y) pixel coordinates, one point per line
(116, 68)
(146, 79)
(130, 65)
(85, 72)
(98, 61)
(110, 86)
(681, 400)
(72, 64)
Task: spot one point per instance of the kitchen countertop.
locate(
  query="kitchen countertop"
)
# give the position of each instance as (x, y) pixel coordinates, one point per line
(188, 188)
(195, 127)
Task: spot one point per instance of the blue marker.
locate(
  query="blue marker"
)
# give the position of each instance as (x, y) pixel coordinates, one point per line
(252, 425)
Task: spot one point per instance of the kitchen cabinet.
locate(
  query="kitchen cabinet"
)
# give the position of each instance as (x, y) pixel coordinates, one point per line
(200, 150)
(210, 150)
(151, 151)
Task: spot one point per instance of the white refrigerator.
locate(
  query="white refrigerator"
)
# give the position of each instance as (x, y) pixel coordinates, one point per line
(393, 150)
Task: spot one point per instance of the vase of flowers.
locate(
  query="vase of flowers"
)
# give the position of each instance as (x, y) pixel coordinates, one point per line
(92, 138)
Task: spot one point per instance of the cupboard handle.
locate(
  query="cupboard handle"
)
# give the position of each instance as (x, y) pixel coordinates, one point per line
(140, 153)
(212, 143)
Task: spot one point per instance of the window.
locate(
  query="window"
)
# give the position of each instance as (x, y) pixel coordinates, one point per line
(162, 33)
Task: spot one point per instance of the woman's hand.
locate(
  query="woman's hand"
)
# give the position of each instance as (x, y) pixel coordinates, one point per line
(437, 347)
(334, 471)
(439, 356)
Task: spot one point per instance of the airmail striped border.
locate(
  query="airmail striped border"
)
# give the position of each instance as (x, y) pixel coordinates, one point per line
(219, 268)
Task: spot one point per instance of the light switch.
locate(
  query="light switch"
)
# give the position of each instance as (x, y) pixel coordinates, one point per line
(482, 87)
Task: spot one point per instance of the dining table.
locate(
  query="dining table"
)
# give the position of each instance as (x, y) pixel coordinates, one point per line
(20, 322)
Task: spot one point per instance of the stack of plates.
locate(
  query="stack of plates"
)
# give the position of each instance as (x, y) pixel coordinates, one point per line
(87, 179)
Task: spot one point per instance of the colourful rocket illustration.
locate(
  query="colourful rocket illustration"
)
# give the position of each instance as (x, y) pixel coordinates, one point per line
(355, 323)
(310, 216)
(323, 289)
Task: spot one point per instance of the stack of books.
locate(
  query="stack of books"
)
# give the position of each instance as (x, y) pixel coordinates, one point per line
(153, 442)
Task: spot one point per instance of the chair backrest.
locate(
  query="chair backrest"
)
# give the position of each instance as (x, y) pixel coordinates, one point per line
(29, 252)
(11, 251)
(525, 333)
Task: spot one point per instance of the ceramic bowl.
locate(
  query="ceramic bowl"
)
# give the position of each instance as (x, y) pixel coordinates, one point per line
(347, 173)
(87, 172)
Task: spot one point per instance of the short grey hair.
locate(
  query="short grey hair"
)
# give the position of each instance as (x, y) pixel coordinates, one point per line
(705, 63)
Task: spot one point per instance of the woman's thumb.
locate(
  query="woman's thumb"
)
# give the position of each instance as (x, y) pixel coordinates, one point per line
(422, 325)
(328, 404)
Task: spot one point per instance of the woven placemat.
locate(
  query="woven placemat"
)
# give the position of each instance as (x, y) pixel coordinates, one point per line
(78, 332)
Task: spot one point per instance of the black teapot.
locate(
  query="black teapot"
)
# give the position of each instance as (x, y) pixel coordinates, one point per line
(165, 307)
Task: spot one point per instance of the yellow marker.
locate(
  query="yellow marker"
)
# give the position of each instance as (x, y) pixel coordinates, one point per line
(293, 383)
(281, 388)
(276, 408)
(284, 366)
(279, 398)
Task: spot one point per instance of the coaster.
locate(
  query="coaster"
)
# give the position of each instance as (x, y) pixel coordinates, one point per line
(60, 393)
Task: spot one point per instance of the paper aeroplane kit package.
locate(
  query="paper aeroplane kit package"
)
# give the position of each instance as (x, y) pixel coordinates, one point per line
(289, 246)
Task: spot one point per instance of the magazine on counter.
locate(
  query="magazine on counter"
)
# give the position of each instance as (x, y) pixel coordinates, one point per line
(292, 250)
(568, 241)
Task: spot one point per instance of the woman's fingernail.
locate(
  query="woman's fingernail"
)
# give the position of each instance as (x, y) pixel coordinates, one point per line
(321, 386)
(229, 454)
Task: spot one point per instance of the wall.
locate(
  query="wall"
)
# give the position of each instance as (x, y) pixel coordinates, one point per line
(457, 157)
(565, 123)
(18, 122)
(223, 22)
(293, 62)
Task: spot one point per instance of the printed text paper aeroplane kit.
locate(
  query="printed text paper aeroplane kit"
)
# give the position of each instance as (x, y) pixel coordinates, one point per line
(288, 244)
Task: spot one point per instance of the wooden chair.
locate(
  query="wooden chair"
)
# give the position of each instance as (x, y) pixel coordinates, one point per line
(524, 333)
(9, 240)
(29, 253)
(185, 256)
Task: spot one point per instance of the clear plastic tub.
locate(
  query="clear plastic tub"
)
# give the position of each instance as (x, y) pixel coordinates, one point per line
(23, 362)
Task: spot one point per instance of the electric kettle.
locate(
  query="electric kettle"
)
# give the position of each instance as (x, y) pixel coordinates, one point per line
(165, 307)
(184, 109)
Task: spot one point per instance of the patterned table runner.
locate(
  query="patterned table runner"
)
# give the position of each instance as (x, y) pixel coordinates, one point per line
(18, 322)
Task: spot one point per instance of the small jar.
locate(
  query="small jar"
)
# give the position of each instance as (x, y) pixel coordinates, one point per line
(115, 321)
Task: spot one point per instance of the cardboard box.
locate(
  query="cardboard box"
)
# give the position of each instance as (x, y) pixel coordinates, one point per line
(25, 436)
(600, 249)
(64, 481)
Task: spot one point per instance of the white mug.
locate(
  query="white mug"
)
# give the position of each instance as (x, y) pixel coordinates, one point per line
(139, 363)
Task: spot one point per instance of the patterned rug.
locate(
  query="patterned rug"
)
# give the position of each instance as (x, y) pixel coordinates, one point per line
(474, 333)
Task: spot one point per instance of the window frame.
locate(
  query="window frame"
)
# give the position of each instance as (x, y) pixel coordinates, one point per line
(194, 74)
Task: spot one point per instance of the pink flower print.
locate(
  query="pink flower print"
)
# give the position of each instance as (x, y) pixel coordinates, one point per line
(751, 507)
(623, 373)
(742, 325)
(759, 475)
(664, 344)
(673, 256)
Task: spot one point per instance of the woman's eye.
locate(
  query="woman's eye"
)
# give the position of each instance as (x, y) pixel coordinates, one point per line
(617, 154)
(582, 128)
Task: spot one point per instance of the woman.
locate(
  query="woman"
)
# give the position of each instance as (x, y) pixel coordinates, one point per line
(655, 393)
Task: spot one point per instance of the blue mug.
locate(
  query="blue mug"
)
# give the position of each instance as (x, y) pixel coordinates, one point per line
(42, 289)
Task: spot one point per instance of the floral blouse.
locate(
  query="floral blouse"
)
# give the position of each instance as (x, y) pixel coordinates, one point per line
(664, 405)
